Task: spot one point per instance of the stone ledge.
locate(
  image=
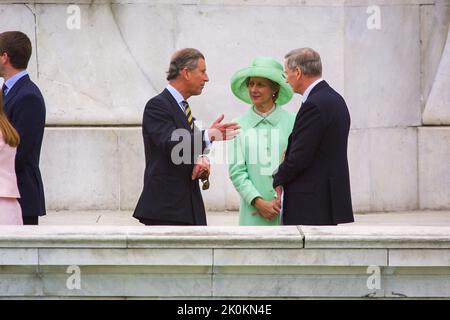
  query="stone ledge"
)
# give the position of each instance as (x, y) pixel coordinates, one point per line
(376, 237)
(233, 2)
(223, 262)
(343, 236)
(149, 237)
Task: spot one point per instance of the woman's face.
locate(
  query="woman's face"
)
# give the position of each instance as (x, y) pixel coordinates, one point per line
(260, 91)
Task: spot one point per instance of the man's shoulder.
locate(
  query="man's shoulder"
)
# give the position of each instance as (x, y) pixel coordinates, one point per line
(324, 94)
(160, 99)
(30, 92)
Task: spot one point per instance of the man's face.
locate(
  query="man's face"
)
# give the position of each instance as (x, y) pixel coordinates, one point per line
(197, 78)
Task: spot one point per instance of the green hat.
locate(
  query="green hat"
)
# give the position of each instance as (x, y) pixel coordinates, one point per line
(264, 67)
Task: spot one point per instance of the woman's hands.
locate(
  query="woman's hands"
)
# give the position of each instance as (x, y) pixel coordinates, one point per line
(267, 209)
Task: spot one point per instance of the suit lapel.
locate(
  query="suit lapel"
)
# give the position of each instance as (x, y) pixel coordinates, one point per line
(179, 115)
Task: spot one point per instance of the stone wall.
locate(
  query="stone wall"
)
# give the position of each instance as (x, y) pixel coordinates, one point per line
(393, 72)
(224, 262)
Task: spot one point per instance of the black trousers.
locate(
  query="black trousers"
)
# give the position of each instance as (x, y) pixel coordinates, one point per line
(151, 222)
(31, 221)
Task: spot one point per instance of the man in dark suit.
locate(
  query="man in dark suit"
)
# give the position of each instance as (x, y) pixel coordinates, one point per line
(314, 176)
(25, 108)
(174, 147)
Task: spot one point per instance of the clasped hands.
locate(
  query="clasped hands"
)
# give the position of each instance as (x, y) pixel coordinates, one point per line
(269, 209)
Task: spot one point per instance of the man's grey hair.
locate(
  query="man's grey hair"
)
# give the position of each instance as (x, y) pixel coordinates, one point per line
(184, 58)
(307, 59)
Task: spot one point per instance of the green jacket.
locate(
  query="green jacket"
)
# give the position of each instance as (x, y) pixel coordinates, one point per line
(254, 155)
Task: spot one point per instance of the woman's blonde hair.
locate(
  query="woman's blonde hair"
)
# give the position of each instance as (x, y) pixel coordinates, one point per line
(10, 134)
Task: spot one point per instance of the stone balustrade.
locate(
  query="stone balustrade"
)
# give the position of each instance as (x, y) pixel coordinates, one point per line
(224, 262)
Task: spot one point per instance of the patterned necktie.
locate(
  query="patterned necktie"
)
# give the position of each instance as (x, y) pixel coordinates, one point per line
(187, 111)
(4, 89)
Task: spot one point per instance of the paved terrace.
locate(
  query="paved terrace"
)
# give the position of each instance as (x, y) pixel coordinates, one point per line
(230, 218)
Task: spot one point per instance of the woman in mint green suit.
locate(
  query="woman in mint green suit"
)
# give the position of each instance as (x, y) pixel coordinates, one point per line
(258, 150)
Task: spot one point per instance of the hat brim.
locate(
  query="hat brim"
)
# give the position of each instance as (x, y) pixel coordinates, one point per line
(239, 85)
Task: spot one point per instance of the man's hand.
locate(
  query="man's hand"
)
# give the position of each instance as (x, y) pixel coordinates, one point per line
(223, 131)
(266, 208)
(277, 201)
(201, 168)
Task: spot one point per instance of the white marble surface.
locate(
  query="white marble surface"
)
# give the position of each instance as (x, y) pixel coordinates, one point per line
(290, 286)
(383, 169)
(124, 257)
(238, 2)
(128, 284)
(104, 73)
(251, 262)
(88, 76)
(434, 173)
(393, 169)
(419, 258)
(308, 257)
(348, 236)
(14, 256)
(80, 168)
(437, 109)
(131, 166)
(382, 77)
(434, 23)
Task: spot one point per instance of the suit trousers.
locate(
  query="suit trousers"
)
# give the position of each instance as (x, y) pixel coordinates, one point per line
(31, 221)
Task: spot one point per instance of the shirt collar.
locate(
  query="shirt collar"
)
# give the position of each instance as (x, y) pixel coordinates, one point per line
(273, 118)
(13, 80)
(309, 89)
(176, 94)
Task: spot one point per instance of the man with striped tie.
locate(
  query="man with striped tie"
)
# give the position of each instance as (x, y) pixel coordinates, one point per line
(175, 147)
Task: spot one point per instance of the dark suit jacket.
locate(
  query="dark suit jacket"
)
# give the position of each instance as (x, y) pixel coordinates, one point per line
(25, 108)
(169, 193)
(315, 173)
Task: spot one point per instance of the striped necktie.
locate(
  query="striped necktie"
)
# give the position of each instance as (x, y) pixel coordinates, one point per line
(187, 111)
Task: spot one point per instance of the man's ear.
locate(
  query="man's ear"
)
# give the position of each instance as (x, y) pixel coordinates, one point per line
(4, 58)
(299, 73)
(186, 73)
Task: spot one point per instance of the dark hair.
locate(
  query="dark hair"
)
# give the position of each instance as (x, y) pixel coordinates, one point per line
(18, 47)
(184, 58)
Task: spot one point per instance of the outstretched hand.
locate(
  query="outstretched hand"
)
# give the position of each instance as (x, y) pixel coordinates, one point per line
(223, 131)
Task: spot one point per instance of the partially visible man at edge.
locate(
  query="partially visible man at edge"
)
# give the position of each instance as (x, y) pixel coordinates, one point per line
(25, 108)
